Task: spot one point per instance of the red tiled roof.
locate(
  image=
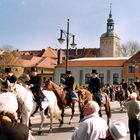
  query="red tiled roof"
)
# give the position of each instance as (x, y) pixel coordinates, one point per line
(134, 58)
(32, 62)
(94, 63)
(49, 52)
(47, 63)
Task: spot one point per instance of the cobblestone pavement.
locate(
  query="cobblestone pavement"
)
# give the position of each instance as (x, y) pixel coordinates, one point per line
(65, 132)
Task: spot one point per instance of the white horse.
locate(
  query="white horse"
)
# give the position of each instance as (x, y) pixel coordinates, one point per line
(28, 105)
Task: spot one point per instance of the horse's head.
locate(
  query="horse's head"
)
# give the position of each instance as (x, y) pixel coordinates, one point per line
(11, 86)
(48, 85)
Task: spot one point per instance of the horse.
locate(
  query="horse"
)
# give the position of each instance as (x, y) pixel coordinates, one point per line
(121, 95)
(62, 100)
(28, 105)
(85, 95)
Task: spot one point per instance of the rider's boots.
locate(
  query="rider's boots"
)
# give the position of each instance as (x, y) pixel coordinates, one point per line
(40, 106)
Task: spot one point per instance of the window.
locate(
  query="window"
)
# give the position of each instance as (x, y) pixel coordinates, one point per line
(130, 81)
(101, 76)
(87, 78)
(115, 78)
(131, 69)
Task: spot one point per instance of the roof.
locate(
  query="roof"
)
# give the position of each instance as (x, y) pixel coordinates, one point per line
(135, 58)
(47, 63)
(96, 62)
(49, 52)
(47, 58)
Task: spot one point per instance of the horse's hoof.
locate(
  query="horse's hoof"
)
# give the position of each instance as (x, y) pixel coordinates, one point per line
(39, 132)
(50, 130)
(60, 125)
(70, 123)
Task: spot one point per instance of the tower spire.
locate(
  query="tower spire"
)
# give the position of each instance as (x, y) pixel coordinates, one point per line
(110, 22)
(110, 14)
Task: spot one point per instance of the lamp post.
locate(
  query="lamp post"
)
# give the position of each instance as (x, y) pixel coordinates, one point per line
(67, 35)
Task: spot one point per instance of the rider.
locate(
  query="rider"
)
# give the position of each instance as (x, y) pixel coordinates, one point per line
(94, 86)
(9, 77)
(69, 82)
(35, 85)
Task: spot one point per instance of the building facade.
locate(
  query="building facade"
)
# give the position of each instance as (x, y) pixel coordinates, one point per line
(109, 70)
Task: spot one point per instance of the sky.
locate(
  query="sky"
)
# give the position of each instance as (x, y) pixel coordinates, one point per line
(36, 24)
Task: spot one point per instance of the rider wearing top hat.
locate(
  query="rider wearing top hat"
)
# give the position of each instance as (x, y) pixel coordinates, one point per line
(94, 86)
(35, 85)
(9, 77)
(69, 82)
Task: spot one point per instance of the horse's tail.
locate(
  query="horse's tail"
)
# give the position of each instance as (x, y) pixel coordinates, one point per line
(57, 113)
(108, 109)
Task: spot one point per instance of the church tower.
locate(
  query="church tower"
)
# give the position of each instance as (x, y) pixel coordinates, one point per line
(109, 41)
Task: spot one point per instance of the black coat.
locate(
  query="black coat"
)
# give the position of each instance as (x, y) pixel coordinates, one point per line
(94, 85)
(11, 79)
(69, 82)
(36, 88)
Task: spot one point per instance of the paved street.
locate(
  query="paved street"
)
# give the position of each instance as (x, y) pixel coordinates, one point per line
(65, 132)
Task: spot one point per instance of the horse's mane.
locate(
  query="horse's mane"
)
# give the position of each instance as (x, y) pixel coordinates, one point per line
(59, 91)
(57, 88)
(23, 90)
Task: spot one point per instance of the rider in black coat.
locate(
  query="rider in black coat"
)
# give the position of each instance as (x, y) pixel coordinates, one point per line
(35, 86)
(9, 77)
(69, 82)
(94, 86)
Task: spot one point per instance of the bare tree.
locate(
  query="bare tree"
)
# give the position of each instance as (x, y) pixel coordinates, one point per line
(130, 48)
(9, 58)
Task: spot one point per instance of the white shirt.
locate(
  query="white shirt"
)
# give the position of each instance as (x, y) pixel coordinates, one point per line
(92, 127)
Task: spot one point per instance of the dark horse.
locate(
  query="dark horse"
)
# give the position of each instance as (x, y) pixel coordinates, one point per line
(62, 99)
(85, 95)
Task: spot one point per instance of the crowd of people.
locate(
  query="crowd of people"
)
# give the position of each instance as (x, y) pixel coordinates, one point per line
(92, 126)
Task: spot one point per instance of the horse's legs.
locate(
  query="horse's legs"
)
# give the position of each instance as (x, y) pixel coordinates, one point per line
(108, 114)
(25, 118)
(73, 110)
(100, 113)
(62, 117)
(30, 124)
(42, 120)
(51, 119)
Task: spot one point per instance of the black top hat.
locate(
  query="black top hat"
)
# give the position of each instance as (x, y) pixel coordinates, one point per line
(68, 72)
(94, 71)
(7, 70)
(33, 69)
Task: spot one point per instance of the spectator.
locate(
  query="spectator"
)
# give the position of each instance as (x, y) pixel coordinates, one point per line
(137, 84)
(116, 131)
(10, 129)
(133, 111)
(125, 87)
(92, 127)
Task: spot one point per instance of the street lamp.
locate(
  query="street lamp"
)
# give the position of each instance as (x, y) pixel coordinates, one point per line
(67, 35)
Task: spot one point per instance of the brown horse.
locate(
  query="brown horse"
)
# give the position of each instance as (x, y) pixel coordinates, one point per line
(85, 96)
(62, 99)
